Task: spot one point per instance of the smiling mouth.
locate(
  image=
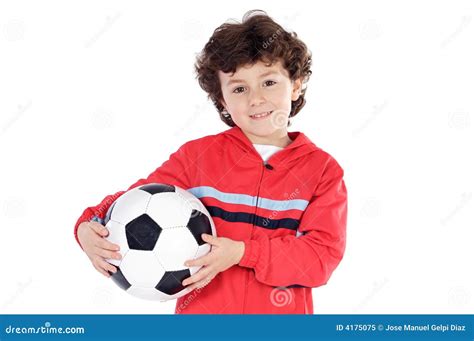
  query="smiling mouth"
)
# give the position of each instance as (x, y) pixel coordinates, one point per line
(261, 115)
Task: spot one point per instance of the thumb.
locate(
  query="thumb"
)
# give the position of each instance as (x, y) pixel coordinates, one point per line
(99, 229)
(210, 239)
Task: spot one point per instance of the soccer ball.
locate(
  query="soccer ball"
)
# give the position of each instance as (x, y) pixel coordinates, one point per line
(158, 227)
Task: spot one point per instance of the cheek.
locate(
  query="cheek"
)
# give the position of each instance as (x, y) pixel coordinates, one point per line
(237, 107)
(282, 98)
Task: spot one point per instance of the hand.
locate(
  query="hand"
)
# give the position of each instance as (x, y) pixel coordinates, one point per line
(91, 236)
(225, 253)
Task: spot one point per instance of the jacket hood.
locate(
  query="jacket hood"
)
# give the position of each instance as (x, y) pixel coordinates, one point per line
(301, 146)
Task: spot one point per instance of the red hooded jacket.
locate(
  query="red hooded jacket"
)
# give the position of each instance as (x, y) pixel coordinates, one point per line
(291, 213)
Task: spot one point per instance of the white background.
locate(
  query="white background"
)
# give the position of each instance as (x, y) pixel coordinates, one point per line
(97, 94)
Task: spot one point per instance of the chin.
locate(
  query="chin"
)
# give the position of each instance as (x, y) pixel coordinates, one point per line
(261, 132)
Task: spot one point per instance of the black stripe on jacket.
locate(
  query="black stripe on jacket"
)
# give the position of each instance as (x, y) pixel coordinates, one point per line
(250, 218)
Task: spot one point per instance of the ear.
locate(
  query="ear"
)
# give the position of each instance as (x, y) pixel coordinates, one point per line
(223, 104)
(296, 92)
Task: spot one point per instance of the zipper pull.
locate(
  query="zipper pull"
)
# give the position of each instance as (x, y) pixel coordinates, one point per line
(268, 166)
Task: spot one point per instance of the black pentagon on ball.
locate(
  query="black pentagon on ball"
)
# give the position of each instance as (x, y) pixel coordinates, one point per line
(199, 223)
(171, 281)
(157, 188)
(142, 233)
(120, 279)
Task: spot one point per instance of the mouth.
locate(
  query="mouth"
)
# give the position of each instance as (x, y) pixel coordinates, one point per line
(261, 115)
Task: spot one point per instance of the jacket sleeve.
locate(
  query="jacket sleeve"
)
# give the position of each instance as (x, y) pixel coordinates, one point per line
(310, 259)
(174, 171)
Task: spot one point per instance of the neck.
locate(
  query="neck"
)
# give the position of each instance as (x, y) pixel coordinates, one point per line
(279, 139)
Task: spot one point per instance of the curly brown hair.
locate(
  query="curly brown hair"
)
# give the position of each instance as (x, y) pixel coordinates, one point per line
(256, 38)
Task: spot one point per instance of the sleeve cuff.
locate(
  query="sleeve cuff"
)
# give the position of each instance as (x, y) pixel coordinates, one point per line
(251, 254)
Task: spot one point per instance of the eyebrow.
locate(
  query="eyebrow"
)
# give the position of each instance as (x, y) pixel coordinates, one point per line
(265, 74)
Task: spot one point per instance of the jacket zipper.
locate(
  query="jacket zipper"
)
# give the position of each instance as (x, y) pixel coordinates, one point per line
(247, 279)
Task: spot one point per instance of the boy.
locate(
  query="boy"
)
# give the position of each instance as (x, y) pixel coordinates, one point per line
(279, 203)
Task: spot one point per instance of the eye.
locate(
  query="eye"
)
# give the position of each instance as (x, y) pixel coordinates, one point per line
(269, 83)
(239, 90)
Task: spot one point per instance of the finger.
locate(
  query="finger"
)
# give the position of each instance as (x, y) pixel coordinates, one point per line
(107, 254)
(201, 261)
(105, 244)
(98, 228)
(198, 276)
(201, 284)
(210, 239)
(106, 266)
(102, 271)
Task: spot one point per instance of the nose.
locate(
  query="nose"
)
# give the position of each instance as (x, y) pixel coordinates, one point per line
(256, 98)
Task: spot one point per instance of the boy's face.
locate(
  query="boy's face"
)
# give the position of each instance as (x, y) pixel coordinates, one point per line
(258, 98)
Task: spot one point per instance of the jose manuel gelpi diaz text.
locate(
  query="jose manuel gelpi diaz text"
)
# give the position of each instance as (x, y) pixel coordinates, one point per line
(427, 327)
